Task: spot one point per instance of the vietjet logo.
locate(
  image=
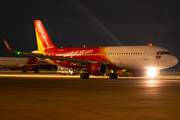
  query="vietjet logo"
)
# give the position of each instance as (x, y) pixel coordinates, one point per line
(77, 53)
(41, 31)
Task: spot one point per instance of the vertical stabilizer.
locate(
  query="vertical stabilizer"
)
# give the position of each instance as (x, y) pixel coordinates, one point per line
(42, 37)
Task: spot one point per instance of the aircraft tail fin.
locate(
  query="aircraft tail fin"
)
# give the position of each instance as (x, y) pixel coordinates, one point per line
(42, 37)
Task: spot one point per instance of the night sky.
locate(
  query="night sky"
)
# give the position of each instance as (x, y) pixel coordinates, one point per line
(91, 23)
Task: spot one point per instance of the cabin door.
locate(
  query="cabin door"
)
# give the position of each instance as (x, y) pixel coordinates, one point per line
(146, 53)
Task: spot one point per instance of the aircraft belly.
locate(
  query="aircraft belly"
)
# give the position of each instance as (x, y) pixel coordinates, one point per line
(9, 65)
(133, 63)
(68, 64)
(117, 63)
(21, 65)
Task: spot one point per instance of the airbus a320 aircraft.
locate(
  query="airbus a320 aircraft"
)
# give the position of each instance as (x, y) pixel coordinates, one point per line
(26, 64)
(97, 60)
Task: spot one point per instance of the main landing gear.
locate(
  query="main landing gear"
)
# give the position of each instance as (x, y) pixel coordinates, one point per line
(84, 75)
(24, 71)
(113, 76)
(36, 71)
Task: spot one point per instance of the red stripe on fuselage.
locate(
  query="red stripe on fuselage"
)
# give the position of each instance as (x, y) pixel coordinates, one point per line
(35, 61)
(88, 53)
(31, 61)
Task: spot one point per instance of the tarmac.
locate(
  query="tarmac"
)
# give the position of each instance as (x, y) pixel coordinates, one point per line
(53, 97)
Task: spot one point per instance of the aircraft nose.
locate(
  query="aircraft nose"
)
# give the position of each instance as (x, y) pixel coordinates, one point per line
(174, 61)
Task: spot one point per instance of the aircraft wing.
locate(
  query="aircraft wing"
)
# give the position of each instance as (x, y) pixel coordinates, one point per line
(61, 59)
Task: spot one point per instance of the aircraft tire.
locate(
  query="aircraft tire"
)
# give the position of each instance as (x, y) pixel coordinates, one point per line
(87, 75)
(24, 71)
(36, 71)
(84, 75)
(113, 76)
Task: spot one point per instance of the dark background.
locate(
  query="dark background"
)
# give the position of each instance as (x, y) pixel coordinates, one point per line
(91, 23)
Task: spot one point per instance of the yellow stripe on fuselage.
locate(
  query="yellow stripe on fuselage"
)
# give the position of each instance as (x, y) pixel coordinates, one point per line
(107, 57)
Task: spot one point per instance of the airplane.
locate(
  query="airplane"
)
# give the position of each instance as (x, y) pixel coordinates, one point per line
(26, 64)
(97, 60)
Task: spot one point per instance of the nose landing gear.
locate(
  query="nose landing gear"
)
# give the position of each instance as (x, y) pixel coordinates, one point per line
(113, 75)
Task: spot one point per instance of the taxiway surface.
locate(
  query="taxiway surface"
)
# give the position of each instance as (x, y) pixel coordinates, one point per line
(53, 97)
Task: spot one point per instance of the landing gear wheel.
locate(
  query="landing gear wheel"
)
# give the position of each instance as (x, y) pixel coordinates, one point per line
(87, 75)
(84, 75)
(113, 76)
(36, 71)
(24, 71)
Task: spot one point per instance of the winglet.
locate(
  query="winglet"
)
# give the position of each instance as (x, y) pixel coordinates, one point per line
(7, 46)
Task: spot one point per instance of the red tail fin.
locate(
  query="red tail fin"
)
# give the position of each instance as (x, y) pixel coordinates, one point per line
(43, 39)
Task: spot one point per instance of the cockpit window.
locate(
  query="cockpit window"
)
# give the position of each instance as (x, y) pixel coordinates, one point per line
(163, 52)
(158, 53)
(167, 53)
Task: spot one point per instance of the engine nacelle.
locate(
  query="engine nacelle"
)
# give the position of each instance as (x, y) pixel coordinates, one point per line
(96, 69)
(30, 68)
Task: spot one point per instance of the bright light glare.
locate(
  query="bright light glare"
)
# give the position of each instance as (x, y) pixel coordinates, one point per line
(151, 81)
(152, 73)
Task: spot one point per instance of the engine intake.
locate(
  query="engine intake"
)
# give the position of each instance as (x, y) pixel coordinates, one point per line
(96, 69)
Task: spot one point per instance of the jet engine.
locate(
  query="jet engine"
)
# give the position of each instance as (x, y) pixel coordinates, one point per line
(30, 68)
(96, 69)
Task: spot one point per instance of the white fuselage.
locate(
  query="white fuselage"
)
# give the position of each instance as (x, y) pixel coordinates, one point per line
(129, 57)
(141, 57)
(12, 62)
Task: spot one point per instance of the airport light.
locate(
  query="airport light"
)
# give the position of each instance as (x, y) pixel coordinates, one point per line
(18, 53)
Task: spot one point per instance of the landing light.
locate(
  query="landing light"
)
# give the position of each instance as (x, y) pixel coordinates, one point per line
(152, 72)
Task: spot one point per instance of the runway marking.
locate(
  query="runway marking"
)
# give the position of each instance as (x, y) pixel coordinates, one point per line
(170, 77)
(31, 75)
(46, 75)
